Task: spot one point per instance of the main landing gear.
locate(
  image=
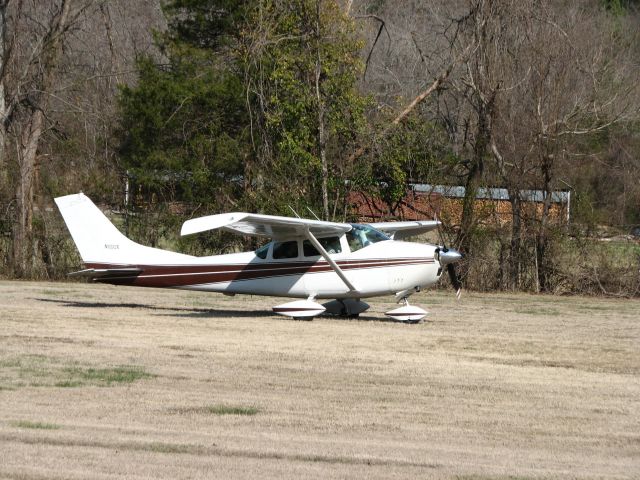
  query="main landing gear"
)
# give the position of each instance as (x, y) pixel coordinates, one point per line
(300, 309)
(307, 309)
(348, 307)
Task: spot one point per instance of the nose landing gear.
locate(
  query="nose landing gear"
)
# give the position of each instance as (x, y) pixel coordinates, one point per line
(407, 313)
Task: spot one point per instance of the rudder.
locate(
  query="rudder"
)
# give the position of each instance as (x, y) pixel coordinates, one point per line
(96, 238)
(100, 242)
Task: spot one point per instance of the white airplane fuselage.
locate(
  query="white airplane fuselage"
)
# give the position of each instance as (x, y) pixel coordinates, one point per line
(381, 268)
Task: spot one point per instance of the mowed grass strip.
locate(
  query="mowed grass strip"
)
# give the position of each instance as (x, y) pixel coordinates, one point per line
(219, 409)
(35, 425)
(103, 376)
(230, 410)
(214, 449)
(43, 371)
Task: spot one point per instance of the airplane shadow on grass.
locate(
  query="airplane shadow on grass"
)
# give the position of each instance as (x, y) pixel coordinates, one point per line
(204, 313)
(181, 311)
(194, 312)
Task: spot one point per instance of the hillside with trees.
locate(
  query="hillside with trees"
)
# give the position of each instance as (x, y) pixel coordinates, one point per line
(161, 111)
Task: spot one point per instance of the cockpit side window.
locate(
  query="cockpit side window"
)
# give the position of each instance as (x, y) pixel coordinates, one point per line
(330, 244)
(285, 249)
(355, 242)
(361, 236)
(263, 250)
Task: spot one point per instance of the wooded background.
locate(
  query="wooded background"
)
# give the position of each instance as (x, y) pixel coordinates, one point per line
(160, 111)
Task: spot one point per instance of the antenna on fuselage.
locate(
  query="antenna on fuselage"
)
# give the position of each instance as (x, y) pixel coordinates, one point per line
(313, 213)
(294, 212)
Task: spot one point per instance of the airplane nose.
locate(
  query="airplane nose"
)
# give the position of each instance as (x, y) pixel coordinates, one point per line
(448, 256)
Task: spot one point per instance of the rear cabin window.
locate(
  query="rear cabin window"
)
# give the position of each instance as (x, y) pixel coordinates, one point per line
(285, 249)
(330, 244)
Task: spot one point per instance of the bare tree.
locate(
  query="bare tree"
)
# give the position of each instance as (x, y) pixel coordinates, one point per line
(26, 114)
(529, 82)
(579, 84)
(60, 62)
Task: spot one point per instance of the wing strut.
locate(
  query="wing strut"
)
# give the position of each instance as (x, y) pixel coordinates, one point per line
(326, 256)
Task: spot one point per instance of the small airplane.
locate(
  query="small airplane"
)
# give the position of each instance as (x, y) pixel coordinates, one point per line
(305, 259)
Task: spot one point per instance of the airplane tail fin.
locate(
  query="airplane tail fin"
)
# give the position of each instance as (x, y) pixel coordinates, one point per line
(99, 241)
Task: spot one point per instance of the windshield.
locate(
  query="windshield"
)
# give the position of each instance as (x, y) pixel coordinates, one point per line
(362, 235)
(263, 250)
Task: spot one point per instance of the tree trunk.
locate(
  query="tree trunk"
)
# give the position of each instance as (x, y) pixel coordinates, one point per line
(3, 106)
(3, 136)
(24, 194)
(24, 252)
(542, 240)
(516, 240)
(474, 176)
(322, 143)
(502, 265)
(468, 205)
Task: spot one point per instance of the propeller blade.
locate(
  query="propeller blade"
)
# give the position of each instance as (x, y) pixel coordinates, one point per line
(440, 236)
(447, 258)
(455, 280)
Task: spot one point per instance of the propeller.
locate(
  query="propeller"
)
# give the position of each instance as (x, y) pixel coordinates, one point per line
(448, 257)
(455, 280)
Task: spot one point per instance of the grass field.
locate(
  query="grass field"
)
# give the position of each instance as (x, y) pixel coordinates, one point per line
(114, 382)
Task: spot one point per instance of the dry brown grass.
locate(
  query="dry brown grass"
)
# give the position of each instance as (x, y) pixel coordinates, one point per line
(171, 384)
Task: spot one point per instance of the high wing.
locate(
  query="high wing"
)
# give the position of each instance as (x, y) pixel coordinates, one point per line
(274, 227)
(263, 225)
(400, 230)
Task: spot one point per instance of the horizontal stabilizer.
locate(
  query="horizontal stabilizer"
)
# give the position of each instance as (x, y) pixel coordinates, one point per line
(101, 273)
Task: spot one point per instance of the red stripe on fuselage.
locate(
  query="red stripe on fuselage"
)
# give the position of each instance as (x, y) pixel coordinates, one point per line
(183, 275)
